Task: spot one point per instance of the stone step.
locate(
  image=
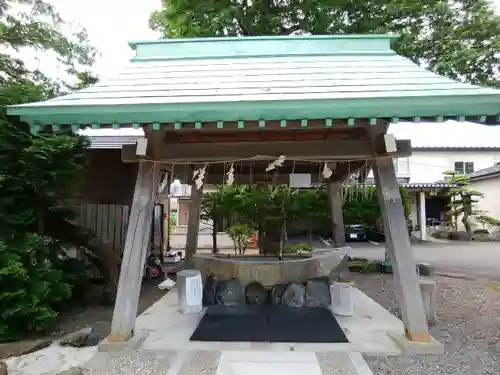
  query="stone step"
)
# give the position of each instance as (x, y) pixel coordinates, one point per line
(249, 362)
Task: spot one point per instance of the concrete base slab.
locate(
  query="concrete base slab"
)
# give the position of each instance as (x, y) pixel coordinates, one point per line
(160, 362)
(366, 330)
(134, 343)
(131, 362)
(409, 347)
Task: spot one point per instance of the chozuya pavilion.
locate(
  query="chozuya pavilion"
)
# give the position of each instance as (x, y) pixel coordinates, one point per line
(208, 103)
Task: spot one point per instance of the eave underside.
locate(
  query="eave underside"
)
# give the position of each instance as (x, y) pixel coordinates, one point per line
(346, 150)
(259, 125)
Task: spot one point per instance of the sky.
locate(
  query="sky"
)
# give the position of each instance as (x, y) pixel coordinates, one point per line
(110, 24)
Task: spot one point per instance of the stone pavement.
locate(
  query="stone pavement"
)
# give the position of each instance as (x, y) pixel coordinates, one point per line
(226, 363)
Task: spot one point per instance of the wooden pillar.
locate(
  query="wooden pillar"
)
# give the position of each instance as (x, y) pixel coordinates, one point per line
(335, 199)
(400, 252)
(193, 225)
(167, 217)
(137, 243)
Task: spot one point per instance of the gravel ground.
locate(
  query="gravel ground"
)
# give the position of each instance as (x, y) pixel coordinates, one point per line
(468, 325)
(87, 312)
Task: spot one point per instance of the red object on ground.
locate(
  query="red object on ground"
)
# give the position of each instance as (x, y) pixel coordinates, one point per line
(253, 240)
(155, 272)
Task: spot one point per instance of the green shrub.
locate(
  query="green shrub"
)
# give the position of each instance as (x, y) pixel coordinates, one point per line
(297, 248)
(30, 287)
(74, 273)
(240, 235)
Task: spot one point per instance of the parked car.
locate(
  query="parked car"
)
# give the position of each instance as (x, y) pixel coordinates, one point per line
(377, 234)
(355, 232)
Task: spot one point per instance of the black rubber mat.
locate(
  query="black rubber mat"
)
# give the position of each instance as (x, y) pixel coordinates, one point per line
(269, 324)
(307, 325)
(222, 323)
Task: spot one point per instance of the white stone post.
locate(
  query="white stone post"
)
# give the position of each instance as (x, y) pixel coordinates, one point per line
(429, 290)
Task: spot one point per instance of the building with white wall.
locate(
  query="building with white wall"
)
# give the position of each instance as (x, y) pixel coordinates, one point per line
(436, 147)
(487, 181)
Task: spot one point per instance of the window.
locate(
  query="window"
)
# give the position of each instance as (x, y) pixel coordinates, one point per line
(464, 167)
(402, 165)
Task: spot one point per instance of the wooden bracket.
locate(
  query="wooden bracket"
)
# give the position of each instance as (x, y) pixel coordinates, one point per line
(141, 147)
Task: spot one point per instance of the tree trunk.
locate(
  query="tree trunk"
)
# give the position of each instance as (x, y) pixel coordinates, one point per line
(260, 238)
(468, 229)
(214, 237)
(272, 239)
(108, 264)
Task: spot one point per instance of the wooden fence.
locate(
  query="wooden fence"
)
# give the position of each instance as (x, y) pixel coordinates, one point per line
(108, 222)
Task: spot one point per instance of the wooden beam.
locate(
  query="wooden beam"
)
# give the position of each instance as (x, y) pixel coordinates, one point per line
(129, 154)
(141, 147)
(241, 150)
(135, 251)
(318, 150)
(400, 252)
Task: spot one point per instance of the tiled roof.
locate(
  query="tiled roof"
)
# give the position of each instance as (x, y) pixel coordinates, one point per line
(433, 185)
(485, 172)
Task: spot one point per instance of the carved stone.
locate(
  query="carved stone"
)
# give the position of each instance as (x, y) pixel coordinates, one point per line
(277, 294)
(256, 294)
(294, 296)
(318, 293)
(230, 293)
(209, 290)
(270, 271)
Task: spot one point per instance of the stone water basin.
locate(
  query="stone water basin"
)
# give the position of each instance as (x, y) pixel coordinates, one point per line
(269, 270)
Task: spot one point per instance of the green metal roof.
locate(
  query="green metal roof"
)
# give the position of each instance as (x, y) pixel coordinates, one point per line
(265, 78)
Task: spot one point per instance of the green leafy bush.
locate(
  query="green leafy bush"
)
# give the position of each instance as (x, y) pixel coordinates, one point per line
(30, 287)
(240, 235)
(297, 248)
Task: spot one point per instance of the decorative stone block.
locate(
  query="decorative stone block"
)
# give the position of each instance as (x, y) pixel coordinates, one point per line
(277, 292)
(256, 294)
(230, 293)
(294, 296)
(428, 290)
(425, 269)
(318, 293)
(209, 290)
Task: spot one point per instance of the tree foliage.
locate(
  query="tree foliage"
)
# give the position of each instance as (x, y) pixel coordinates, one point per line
(36, 171)
(462, 203)
(459, 38)
(265, 208)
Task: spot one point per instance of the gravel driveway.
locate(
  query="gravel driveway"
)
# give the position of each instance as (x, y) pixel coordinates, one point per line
(473, 259)
(468, 325)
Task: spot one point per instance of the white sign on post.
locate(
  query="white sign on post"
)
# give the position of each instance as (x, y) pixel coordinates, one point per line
(300, 180)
